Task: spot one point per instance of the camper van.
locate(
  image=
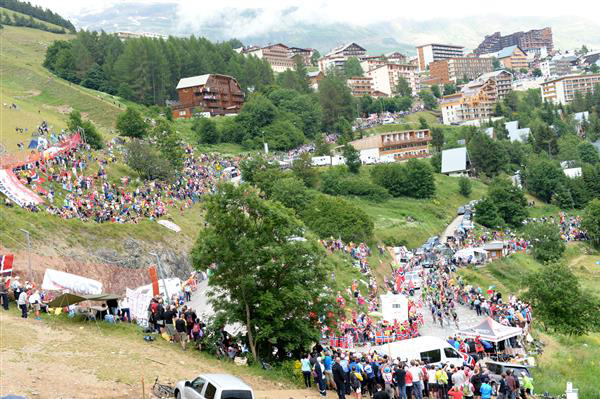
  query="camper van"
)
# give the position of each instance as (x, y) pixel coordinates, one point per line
(431, 350)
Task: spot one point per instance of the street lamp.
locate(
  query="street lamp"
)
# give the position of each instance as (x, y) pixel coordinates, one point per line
(161, 272)
(28, 236)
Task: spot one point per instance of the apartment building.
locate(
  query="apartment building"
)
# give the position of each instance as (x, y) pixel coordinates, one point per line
(207, 94)
(337, 57)
(386, 77)
(360, 86)
(428, 53)
(399, 146)
(511, 57)
(475, 101)
(503, 79)
(304, 53)
(558, 65)
(277, 55)
(454, 69)
(532, 41)
(562, 90)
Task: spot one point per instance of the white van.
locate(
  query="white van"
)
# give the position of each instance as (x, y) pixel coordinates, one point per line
(431, 350)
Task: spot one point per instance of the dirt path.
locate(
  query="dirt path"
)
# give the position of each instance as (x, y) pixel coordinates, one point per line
(68, 360)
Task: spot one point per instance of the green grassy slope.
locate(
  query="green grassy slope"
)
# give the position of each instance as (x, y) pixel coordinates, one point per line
(565, 358)
(37, 93)
(12, 14)
(429, 216)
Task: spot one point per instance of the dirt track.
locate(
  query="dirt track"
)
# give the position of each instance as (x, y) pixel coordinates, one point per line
(47, 359)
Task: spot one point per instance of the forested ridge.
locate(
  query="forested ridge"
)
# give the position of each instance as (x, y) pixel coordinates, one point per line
(147, 70)
(36, 12)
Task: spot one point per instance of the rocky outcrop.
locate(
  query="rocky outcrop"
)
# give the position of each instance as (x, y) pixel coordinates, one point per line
(117, 270)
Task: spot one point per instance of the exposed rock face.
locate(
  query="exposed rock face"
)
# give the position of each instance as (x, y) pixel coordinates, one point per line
(116, 270)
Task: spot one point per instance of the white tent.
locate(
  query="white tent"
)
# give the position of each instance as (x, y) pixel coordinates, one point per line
(492, 331)
(478, 254)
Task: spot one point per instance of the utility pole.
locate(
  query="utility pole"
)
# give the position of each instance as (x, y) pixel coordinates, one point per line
(28, 236)
(160, 271)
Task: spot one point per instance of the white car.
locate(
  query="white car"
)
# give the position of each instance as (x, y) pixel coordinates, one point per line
(213, 386)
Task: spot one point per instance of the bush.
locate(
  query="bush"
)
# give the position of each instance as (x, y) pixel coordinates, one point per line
(337, 182)
(292, 193)
(146, 160)
(464, 186)
(206, 131)
(335, 217)
(486, 214)
(546, 242)
(415, 179)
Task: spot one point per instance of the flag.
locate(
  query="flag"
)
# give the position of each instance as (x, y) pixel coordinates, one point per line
(6, 262)
(154, 278)
(468, 360)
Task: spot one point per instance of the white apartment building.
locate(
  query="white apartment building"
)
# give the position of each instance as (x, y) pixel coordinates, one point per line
(562, 90)
(337, 57)
(428, 53)
(386, 77)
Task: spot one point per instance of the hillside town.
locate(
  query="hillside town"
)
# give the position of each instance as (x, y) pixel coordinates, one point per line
(186, 216)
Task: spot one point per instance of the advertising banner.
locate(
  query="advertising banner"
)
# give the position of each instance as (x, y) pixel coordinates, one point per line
(394, 307)
(60, 281)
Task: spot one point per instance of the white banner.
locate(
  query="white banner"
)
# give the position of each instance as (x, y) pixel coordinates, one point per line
(61, 281)
(138, 305)
(15, 190)
(394, 307)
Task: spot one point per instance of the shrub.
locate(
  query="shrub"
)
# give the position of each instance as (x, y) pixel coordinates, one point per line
(335, 217)
(464, 186)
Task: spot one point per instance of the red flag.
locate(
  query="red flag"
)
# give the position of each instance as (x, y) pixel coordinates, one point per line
(6, 262)
(154, 278)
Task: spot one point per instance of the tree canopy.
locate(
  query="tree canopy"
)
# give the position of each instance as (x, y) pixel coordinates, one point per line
(263, 277)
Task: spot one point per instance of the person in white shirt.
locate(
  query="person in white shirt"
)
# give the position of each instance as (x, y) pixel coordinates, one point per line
(416, 373)
(125, 313)
(458, 377)
(22, 302)
(35, 300)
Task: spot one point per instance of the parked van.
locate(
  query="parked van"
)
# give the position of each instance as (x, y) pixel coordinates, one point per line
(431, 350)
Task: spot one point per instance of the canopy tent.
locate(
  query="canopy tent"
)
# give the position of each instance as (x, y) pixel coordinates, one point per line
(491, 330)
(68, 299)
(478, 254)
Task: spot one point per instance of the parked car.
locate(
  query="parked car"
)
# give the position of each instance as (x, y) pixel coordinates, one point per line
(497, 368)
(461, 210)
(414, 278)
(213, 386)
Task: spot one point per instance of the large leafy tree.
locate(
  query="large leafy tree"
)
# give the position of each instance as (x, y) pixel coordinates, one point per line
(560, 303)
(352, 67)
(546, 241)
(86, 128)
(336, 100)
(206, 130)
(131, 123)
(263, 278)
(403, 88)
(510, 201)
(543, 177)
(486, 214)
(486, 155)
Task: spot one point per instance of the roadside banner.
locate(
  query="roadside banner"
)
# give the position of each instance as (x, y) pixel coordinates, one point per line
(60, 281)
(15, 190)
(138, 305)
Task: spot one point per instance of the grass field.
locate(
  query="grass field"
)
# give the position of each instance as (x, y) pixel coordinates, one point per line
(429, 216)
(409, 122)
(38, 94)
(565, 358)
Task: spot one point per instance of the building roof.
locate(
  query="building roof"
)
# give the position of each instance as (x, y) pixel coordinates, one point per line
(454, 160)
(572, 172)
(192, 81)
(493, 245)
(342, 48)
(519, 134)
(581, 116)
(512, 125)
(506, 52)
(438, 44)
(494, 74)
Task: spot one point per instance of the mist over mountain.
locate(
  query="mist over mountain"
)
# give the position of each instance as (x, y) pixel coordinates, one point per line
(259, 26)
